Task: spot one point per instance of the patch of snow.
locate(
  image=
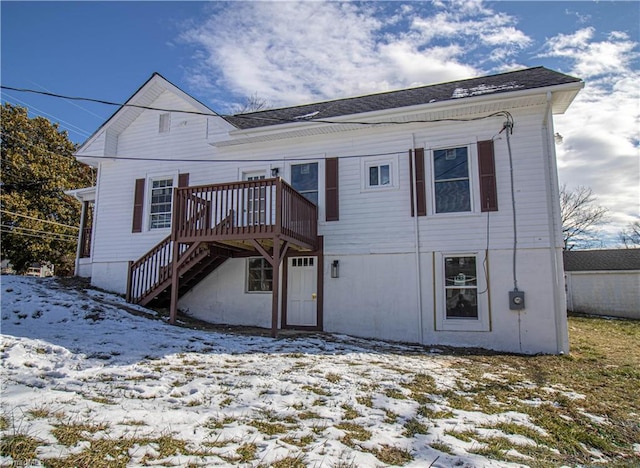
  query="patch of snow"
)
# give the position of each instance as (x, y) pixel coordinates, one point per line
(483, 89)
(81, 356)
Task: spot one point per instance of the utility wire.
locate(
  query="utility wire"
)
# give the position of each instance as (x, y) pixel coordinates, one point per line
(39, 237)
(69, 126)
(37, 219)
(248, 116)
(20, 228)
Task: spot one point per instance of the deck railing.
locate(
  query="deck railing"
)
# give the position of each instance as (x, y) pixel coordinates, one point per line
(239, 211)
(154, 268)
(243, 210)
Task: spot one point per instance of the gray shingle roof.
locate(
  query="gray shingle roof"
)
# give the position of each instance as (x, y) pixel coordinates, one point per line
(602, 260)
(529, 78)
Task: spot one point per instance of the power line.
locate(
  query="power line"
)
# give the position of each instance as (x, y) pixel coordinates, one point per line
(247, 116)
(39, 237)
(37, 219)
(72, 103)
(20, 228)
(77, 130)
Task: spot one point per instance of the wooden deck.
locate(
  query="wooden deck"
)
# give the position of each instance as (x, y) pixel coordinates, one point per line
(211, 223)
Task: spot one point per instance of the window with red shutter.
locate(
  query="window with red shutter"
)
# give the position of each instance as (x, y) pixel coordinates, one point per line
(487, 170)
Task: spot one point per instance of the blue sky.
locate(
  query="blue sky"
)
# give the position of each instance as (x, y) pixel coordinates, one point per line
(291, 53)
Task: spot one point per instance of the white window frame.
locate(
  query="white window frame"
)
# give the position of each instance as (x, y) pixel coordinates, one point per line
(246, 283)
(474, 185)
(148, 196)
(368, 163)
(483, 321)
(292, 160)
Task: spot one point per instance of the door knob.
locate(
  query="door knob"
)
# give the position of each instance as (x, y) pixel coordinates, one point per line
(313, 296)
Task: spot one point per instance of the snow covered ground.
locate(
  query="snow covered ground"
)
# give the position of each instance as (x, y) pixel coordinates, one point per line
(76, 359)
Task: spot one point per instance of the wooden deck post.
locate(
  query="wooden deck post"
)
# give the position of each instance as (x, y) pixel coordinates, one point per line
(175, 283)
(129, 273)
(175, 268)
(275, 287)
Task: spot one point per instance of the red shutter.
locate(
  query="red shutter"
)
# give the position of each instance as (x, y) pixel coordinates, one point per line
(417, 161)
(138, 205)
(331, 189)
(183, 180)
(487, 170)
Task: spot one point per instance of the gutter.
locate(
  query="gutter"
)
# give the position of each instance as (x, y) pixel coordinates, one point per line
(381, 117)
(416, 227)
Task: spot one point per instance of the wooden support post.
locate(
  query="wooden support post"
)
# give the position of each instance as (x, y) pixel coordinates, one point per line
(275, 289)
(129, 279)
(175, 283)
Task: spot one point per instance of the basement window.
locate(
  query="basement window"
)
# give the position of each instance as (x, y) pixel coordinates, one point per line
(462, 296)
(259, 275)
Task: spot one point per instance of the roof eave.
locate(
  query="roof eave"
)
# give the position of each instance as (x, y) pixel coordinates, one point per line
(562, 94)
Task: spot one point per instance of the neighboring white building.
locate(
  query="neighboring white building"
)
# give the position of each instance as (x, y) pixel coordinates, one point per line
(603, 282)
(303, 217)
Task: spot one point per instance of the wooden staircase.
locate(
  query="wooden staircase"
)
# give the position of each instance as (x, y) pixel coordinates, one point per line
(150, 276)
(211, 223)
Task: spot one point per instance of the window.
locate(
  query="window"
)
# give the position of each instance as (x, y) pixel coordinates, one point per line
(259, 275)
(461, 288)
(304, 178)
(462, 295)
(160, 206)
(164, 123)
(379, 174)
(451, 180)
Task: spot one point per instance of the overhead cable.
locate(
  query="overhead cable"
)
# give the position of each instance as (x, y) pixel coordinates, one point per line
(37, 219)
(250, 116)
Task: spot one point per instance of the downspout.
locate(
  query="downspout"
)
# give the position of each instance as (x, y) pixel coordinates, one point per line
(560, 308)
(416, 233)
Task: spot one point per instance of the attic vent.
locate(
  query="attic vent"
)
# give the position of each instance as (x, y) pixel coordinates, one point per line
(164, 123)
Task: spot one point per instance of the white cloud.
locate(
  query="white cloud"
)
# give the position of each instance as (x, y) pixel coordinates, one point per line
(600, 129)
(296, 52)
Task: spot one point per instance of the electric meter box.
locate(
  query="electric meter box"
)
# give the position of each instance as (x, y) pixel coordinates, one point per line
(516, 300)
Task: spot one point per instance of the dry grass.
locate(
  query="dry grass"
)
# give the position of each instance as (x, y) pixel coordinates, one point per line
(597, 382)
(576, 405)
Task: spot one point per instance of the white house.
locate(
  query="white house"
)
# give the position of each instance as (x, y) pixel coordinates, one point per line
(426, 215)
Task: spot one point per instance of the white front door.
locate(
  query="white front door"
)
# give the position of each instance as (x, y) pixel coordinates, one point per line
(302, 298)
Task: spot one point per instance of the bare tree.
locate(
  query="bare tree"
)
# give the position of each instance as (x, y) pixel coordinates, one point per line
(630, 236)
(251, 103)
(581, 216)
